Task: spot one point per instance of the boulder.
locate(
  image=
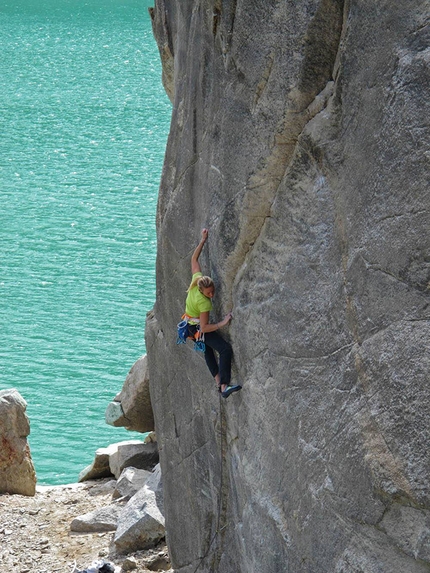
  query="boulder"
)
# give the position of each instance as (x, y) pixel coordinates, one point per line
(141, 523)
(130, 482)
(111, 461)
(132, 407)
(100, 467)
(133, 453)
(17, 474)
(98, 521)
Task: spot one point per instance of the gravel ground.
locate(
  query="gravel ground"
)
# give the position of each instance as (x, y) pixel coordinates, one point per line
(35, 533)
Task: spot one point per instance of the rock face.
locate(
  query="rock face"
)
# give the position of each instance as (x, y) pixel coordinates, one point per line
(132, 408)
(299, 137)
(17, 473)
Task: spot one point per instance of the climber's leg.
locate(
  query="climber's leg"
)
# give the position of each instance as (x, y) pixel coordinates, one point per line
(214, 341)
(211, 360)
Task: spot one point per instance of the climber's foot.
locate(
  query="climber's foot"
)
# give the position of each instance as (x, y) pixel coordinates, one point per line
(230, 389)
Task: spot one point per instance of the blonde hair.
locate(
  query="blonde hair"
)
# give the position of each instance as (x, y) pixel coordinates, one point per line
(201, 283)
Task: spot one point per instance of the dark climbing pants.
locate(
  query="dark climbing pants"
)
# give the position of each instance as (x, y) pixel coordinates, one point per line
(214, 341)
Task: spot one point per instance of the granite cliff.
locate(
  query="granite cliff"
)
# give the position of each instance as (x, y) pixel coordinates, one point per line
(299, 137)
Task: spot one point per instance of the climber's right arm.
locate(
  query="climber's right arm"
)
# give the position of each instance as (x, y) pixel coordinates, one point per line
(195, 265)
(206, 327)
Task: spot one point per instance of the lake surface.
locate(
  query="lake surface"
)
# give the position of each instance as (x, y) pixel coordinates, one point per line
(84, 122)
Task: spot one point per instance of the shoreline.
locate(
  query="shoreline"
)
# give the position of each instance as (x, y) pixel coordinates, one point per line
(35, 532)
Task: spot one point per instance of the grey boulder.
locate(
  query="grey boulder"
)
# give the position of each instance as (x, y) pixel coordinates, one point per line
(130, 482)
(98, 521)
(141, 523)
(111, 461)
(133, 453)
(132, 407)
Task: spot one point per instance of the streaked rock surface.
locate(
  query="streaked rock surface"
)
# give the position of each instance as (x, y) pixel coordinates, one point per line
(299, 137)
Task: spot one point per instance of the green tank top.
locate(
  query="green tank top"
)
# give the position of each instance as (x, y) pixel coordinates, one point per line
(196, 301)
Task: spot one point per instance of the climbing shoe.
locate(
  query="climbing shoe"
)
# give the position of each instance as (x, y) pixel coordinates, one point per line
(230, 389)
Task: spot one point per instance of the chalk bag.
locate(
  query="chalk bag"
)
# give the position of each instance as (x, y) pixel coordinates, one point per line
(182, 332)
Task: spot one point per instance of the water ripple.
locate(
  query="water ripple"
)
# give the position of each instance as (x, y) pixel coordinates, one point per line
(84, 121)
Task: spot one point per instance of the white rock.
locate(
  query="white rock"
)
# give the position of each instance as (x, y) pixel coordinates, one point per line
(100, 467)
(133, 453)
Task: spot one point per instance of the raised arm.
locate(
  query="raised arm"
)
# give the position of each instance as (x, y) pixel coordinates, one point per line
(195, 265)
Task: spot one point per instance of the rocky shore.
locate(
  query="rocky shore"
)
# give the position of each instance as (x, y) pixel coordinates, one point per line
(36, 536)
(113, 517)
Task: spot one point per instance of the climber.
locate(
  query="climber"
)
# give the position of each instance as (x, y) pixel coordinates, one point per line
(197, 308)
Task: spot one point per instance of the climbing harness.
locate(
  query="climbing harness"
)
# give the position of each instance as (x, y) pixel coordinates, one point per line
(185, 331)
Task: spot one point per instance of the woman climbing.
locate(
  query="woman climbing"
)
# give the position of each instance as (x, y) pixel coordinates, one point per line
(197, 308)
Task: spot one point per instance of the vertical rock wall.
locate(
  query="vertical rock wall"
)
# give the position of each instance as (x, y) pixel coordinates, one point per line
(299, 137)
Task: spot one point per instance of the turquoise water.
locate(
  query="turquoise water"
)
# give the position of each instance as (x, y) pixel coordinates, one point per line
(84, 121)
